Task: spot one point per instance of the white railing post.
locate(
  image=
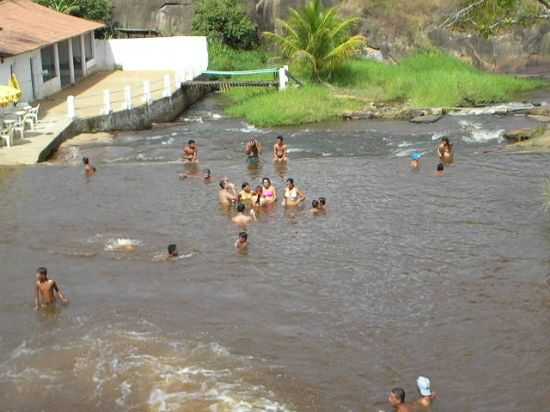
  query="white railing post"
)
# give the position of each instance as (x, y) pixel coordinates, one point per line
(283, 79)
(167, 91)
(147, 92)
(107, 103)
(71, 107)
(128, 97)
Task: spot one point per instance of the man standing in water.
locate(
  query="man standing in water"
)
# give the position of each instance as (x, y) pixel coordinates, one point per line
(397, 401)
(426, 395)
(191, 152)
(227, 194)
(89, 169)
(253, 149)
(46, 290)
(280, 150)
(241, 218)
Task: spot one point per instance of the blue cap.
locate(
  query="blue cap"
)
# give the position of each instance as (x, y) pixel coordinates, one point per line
(416, 155)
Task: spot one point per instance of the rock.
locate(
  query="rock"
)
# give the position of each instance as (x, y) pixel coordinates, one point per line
(372, 54)
(544, 119)
(430, 118)
(539, 111)
(519, 135)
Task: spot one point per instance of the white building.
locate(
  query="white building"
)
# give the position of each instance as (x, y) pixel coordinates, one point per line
(45, 49)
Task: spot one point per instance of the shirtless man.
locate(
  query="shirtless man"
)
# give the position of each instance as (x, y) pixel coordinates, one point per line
(46, 290)
(227, 194)
(445, 151)
(397, 401)
(191, 152)
(293, 196)
(89, 169)
(426, 395)
(253, 149)
(243, 219)
(280, 150)
(242, 242)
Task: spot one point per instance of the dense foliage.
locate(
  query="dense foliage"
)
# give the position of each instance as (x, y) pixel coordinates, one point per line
(318, 37)
(225, 21)
(99, 10)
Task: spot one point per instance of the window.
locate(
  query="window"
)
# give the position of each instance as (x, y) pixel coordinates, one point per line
(48, 63)
(89, 46)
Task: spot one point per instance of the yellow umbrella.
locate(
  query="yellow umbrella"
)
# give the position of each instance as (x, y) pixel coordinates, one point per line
(15, 83)
(8, 95)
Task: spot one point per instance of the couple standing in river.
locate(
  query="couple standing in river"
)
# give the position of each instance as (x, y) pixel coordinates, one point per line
(424, 402)
(253, 149)
(445, 152)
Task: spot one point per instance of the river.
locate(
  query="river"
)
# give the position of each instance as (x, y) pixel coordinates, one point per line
(408, 274)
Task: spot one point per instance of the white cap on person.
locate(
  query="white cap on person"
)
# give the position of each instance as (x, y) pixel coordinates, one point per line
(424, 386)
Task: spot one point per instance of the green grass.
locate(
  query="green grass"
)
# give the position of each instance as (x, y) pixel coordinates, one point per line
(430, 80)
(222, 57)
(267, 108)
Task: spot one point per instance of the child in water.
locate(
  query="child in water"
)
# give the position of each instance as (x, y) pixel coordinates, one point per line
(242, 242)
(415, 159)
(440, 169)
(89, 169)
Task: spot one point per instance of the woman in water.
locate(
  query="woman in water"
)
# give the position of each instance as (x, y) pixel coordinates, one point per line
(253, 150)
(269, 193)
(445, 151)
(293, 196)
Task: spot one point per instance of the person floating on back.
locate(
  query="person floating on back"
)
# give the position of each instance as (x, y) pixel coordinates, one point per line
(280, 150)
(47, 291)
(89, 169)
(397, 401)
(243, 219)
(427, 397)
(440, 170)
(242, 242)
(191, 152)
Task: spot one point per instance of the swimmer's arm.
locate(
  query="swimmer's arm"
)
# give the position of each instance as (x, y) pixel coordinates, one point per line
(36, 297)
(62, 297)
(253, 215)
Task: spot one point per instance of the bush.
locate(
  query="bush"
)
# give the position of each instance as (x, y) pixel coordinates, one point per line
(225, 21)
(222, 57)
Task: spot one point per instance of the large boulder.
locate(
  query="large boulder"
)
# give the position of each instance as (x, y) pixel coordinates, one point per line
(520, 135)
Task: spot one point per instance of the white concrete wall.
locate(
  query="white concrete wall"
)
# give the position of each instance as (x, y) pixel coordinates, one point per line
(183, 54)
(21, 65)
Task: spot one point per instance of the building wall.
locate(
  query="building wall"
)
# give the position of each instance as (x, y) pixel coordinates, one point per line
(182, 54)
(21, 66)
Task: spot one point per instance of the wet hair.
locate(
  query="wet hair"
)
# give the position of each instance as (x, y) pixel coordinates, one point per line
(172, 249)
(85, 160)
(315, 203)
(440, 167)
(268, 180)
(244, 185)
(280, 138)
(260, 189)
(290, 180)
(399, 393)
(445, 140)
(42, 270)
(191, 141)
(241, 208)
(222, 184)
(243, 235)
(322, 201)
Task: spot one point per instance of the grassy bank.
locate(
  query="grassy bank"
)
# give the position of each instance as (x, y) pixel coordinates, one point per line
(421, 81)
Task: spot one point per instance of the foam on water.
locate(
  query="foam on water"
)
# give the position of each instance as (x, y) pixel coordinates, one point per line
(122, 244)
(483, 136)
(116, 369)
(404, 144)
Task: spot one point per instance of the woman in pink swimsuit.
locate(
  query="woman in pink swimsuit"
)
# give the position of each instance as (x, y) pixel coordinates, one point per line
(269, 194)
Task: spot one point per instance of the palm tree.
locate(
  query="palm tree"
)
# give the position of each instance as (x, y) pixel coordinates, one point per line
(62, 6)
(317, 36)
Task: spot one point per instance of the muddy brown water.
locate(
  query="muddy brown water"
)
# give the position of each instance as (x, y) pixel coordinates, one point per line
(408, 274)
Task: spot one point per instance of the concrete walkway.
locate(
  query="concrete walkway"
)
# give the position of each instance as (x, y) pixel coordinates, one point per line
(29, 150)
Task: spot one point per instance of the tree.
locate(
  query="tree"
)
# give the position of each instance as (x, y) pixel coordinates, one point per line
(489, 17)
(318, 37)
(98, 10)
(225, 21)
(62, 6)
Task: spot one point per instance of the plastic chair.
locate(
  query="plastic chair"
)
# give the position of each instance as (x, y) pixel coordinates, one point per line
(33, 112)
(19, 128)
(7, 136)
(28, 119)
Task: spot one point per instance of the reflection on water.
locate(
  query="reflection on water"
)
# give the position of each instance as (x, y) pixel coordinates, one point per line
(407, 274)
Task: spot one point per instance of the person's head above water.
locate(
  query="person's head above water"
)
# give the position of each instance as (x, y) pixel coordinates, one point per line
(322, 201)
(315, 204)
(222, 183)
(245, 185)
(440, 167)
(290, 182)
(266, 181)
(445, 140)
(259, 189)
(207, 173)
(397, 397)
(85, 160)
(172, 250)
(243, 236)
(191, 142)
(241, 208)
(42, 273)
(280, 139)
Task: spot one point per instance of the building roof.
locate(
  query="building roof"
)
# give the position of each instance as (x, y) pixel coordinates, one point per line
(27, 26)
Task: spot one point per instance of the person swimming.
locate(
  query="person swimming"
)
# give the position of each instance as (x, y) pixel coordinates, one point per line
(293, 196)
(191, 152)
(89, 169)
(241, 243)
(243, 219)
(280, 150)
(172, 251)
(440, 169)
(269, 193)
(445, 151)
